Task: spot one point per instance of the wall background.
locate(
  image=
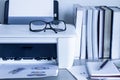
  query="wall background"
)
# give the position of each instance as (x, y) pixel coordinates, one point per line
(66, 7)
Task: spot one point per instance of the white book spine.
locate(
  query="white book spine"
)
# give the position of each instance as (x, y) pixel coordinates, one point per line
(101, 24)
(79, 21)
(83, 40)
(95, 33)
(116, 35)
(89, 34)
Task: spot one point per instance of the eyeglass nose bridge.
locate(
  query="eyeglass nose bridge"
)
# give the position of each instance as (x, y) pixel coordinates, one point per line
(50, 27)
(48, 24)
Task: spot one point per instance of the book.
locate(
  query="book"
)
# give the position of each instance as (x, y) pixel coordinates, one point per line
(95, 33)
(89, 33)
(115, 51)
(100, 31)
(78, 21)
(84, 35)
(107, 32)
(108, 71)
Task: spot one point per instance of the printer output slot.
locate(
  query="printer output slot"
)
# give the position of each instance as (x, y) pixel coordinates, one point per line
(28, 51)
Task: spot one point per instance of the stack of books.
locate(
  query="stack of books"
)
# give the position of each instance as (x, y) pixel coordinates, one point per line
(98, 27)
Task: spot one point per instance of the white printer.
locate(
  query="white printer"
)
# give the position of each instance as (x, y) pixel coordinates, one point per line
(18, 43)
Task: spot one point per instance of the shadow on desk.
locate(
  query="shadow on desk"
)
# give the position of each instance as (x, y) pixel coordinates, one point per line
(63, 74)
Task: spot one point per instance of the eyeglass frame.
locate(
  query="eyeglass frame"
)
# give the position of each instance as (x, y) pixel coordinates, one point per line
(46, 28)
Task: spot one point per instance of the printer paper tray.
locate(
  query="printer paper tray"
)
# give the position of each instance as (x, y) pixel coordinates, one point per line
(27, 69)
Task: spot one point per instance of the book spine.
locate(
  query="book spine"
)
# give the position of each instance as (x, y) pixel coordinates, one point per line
(107, 32)
(115, 51)
(101, 32)
(95, 33)
(79, 22)
(83, 39)
(89, 34)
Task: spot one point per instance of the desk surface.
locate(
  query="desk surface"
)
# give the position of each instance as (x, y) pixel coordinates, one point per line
(62, 75)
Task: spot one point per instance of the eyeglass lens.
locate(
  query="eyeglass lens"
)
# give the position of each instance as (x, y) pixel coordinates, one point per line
(58, 25)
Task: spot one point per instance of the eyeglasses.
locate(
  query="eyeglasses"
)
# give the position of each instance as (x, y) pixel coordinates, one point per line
(39, 25)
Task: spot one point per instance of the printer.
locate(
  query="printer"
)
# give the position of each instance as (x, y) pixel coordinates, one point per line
(18, 43)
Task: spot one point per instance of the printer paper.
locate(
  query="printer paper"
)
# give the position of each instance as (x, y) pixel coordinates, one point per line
(22, 8)
(27, 70)
(24, 11)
